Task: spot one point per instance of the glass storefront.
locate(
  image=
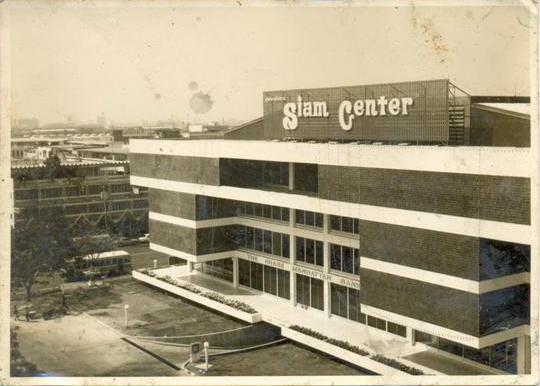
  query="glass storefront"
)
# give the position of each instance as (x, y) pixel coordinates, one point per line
(502, 356)
(263, 278)
(222, 269)
(310, 292)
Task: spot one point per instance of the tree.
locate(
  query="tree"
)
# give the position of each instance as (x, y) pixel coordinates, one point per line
(40, 244)
(52, 167)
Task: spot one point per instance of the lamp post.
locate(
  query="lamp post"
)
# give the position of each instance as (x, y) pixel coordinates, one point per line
(206, 345)
(126, 308)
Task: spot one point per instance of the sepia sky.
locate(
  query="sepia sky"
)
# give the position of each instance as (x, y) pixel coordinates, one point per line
(136, 63)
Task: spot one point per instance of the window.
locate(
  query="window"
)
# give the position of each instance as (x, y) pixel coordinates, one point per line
(258, 239)
(309, 291)
(267, 239)
(345, 224)
(345, 259)
(397, 329)
(27, 194)
(73, 191)
(118, 188)
(312, 219)
(51, 192)
(309, 251)
(94, 189)
(260, 277)
(276, 173)
(274, 243)
(139, 204)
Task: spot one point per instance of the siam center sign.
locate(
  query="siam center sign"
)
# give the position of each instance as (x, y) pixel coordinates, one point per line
(407, 111)
(347, 110)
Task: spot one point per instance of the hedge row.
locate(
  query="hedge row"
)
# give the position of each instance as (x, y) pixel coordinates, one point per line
(357, 350)
(237, 305)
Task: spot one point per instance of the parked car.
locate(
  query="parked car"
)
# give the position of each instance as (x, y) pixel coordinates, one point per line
(145, 238)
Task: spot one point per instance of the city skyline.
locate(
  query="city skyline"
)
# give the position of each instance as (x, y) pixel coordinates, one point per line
(133, 64)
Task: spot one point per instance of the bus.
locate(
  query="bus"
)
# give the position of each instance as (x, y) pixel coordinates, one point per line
(105, 264)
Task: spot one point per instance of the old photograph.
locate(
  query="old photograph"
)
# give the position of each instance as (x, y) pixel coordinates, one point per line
(278, 193)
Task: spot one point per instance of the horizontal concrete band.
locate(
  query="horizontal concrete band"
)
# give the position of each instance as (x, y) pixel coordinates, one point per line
(466, 160)
(517, 233)
(446, 333)
(466, 285)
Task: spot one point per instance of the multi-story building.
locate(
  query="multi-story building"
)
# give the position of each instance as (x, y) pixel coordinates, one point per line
(95, 193)
(401, 207)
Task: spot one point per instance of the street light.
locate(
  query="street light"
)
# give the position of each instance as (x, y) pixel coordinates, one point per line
(126, 308)
(206, 345)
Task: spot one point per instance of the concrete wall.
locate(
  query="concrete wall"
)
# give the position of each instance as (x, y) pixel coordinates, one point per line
(443, 306)
(489, 128)
(495, 198)
(198, 170)
(176, 204)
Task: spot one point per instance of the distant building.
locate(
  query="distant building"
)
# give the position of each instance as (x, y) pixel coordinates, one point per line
(95, 193)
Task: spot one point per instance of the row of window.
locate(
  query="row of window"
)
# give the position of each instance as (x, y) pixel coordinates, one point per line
(70, 191)
(265, 211)
(305, 217)
(274, 243)
(502, 356)
(345, 259)
(345, 224)
(260, 277)
(310, 291)
(309, 251)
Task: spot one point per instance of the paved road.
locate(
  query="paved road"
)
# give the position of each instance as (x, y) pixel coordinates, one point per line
(143, 257)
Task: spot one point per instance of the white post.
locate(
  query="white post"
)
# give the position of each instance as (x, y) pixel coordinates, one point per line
(523, 354)
(291, 175)
(327, 300)
(126, 308)
(155, 263)
(206, 345)
(190, 266)
(235, 272)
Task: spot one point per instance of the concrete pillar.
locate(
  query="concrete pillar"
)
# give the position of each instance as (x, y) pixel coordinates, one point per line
(291, 175)
(235, 272)
(524, 354)
(293, 288)
(190, 266)
(326, 246)
(327, 298)
(410, 336)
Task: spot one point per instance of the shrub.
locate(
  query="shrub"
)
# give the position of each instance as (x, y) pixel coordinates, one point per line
(241, 306)
(336, 342)
(397, 365)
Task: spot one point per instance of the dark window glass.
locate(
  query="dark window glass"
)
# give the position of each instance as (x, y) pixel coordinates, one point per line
(240, 236)
(257, 276)
(249, 238)
(309, 218)
(267, 211)
(302, 290)
(276, 213)
(270, 280)
(319, 220)
(347, 260)
(284, 282)
(339, 300)
(243, 274)
(300, 218)
(354, 304)
(501, 258)
(371, 321)
(346, 224)
(335, 256)
(267, 242)
(300, 253)
(356, 224)
(276, 244)
(258, 239)
(451, 347)
(258, 210)
(356, 261)
(249, 209)
(310, 251)
(381, 324)
(285, 214)
(319, 253)
(285, 247)
(335, 223)
(317, 295)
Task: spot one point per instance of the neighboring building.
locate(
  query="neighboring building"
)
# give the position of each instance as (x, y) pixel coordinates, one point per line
(116, 151)
(97, 193)
(429, 242)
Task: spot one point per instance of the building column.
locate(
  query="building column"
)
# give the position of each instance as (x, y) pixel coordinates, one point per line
(327, 298)
(293, 287)
(410, 336)
(291, 175)
(326, 246)
(235, 271)
(292, 251)
(524, 354)
(190, 266)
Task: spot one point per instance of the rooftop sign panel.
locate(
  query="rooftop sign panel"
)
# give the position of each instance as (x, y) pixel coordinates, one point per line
(396, 112)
